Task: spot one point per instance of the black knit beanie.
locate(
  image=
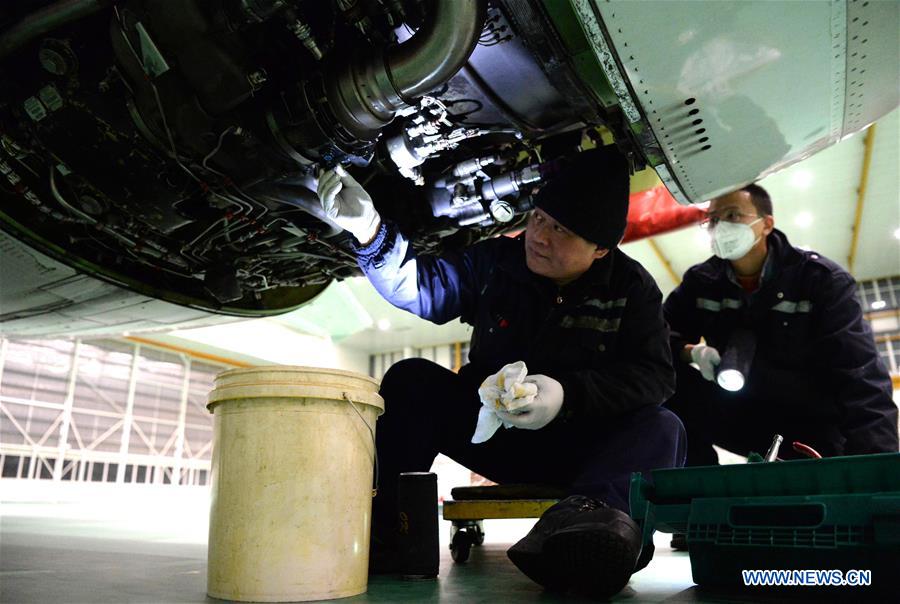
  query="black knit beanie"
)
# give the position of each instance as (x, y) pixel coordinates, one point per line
(588, 195)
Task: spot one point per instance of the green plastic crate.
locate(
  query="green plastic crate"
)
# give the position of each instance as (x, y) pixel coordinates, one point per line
(837, 513)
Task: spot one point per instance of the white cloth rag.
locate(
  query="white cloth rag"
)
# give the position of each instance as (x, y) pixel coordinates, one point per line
(505, 390)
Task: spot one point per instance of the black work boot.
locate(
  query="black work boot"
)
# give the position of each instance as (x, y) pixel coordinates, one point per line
(580, 544)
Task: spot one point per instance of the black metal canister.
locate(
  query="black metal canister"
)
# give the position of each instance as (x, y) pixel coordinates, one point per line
(417, 504)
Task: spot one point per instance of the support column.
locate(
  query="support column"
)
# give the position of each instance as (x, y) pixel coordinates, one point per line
(129, 416)
(66, 415)
(868, 145)
(3, 342)
(182, 416)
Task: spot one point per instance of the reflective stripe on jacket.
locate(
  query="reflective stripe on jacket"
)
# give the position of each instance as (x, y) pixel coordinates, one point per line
(813, 345)
(602, 336)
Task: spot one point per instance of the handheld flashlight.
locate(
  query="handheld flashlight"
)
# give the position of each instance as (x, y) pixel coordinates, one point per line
(736, 361)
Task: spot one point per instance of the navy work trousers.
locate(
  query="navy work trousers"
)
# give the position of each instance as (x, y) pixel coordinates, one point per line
(431, 410)
(748, 420)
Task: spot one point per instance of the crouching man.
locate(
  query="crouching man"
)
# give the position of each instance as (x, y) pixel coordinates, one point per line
(587, 321)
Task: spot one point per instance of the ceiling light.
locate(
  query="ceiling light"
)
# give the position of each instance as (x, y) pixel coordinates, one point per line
(878, 304)
(383, 324)
(801, 179)
(803, 219)
(897, 233)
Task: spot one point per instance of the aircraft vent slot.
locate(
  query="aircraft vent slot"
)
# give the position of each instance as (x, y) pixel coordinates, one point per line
(684, 133)
(871, 80)
(857, 66)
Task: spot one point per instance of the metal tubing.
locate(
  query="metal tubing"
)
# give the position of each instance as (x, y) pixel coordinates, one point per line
(366, 93)
(299, 196)
(438, 49)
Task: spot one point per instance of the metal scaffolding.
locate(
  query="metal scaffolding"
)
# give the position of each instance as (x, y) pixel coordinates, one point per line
(104, 411)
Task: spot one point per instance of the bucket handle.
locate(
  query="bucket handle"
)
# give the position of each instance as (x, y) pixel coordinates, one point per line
(372, 432)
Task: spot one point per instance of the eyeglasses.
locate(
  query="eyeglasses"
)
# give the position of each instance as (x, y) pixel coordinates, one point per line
(732, 215)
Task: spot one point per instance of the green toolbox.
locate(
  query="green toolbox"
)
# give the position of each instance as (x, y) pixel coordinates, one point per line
(839, 513)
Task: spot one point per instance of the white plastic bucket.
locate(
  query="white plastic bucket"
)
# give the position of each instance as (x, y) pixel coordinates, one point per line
(291, 483)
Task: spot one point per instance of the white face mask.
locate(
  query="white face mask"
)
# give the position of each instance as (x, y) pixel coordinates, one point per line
(732, 240)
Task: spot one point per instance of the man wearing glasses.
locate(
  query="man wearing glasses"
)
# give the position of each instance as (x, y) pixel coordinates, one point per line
(813, 373)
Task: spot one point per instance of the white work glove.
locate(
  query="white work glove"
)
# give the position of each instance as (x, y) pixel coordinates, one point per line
(541, 410)
(348, 205)
(505, 390)
(707, 358)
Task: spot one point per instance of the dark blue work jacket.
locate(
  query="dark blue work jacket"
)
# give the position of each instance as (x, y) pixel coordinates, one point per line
(602, 336)
(815, 353)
